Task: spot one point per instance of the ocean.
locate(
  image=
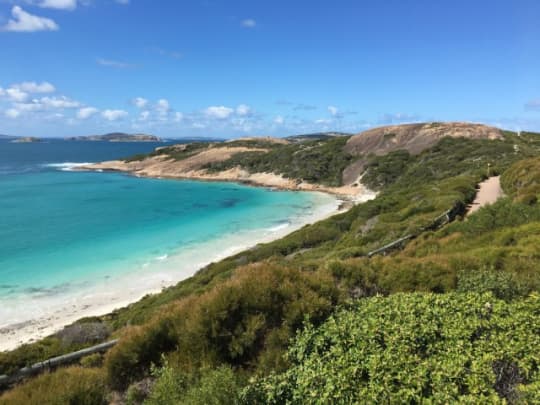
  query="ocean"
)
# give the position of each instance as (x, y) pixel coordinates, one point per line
(79, 243)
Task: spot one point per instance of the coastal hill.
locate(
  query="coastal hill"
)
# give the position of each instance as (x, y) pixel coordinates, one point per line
(271, 162)
(332, 162)
(116, 137)
(402, 299)
(414, 138)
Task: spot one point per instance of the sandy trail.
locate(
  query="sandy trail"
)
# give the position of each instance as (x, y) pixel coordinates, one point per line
(489, 191)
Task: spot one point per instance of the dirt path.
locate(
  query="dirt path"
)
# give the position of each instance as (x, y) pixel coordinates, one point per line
(489, 192)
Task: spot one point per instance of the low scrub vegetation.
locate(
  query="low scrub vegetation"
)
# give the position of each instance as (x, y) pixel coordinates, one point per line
(411, 348)
(522, 181)
(312, 161)
(67, 386)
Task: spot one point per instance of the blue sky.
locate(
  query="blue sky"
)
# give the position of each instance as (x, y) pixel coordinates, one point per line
(234, 68)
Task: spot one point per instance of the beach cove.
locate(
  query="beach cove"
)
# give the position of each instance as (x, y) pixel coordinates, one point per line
(89, 243)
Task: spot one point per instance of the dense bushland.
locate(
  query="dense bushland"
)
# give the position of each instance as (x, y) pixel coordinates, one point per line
(411, 348)
(312, 161)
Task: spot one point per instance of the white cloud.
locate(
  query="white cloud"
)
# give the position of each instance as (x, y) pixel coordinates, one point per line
(114, 115)
(2, 92)
(86, 112)
(35, 105)
(59, 102)
(178, 116)
(218, 112)
(279, 120)
(26, 22)
(12, 113)
(162, 106)
(249, 23)
(45, 103)
(17, 95)
(243, 110)
(323, 121)
(144, 116)
(33, 87)
(333, 110)
(58, 4)
(113, 63)
(139, 102)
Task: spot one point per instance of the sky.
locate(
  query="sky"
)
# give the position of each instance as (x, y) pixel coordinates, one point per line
(227, 68)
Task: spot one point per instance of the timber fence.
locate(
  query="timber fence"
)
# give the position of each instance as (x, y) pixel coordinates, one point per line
(55, 362)
(445, 218)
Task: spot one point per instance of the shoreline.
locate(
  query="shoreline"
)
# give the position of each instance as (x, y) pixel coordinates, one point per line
(87, 303)
(159, 168)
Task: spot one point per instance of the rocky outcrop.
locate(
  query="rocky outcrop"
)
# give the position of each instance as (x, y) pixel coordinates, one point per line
(414, 138)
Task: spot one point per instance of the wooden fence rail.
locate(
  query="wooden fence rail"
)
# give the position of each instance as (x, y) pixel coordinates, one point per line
(443, 219)
(55, 361)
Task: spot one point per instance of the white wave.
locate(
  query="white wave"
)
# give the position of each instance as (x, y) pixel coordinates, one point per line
(279, 227)
(67, 166)
(162, 258)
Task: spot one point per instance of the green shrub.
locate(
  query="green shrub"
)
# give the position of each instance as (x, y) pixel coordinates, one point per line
(70, 386)
(502, 285)
(92, 361)
(384, 170)
(169, 386)
(414, 348)
(503, 213)
(129, 360)
(522, 180)
(219, 386)
(215, 387)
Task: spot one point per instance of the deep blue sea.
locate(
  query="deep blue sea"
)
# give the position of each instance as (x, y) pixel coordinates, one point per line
(85, 242)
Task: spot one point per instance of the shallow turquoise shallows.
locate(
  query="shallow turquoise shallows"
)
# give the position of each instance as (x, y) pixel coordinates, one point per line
(64, 231)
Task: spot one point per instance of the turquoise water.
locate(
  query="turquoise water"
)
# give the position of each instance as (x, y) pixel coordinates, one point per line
(71, 238)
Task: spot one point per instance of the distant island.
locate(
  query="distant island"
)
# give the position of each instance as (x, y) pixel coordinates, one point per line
(117, 137)
(26, 139)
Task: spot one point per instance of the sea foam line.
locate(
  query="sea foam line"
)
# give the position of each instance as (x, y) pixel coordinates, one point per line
(67, 166)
